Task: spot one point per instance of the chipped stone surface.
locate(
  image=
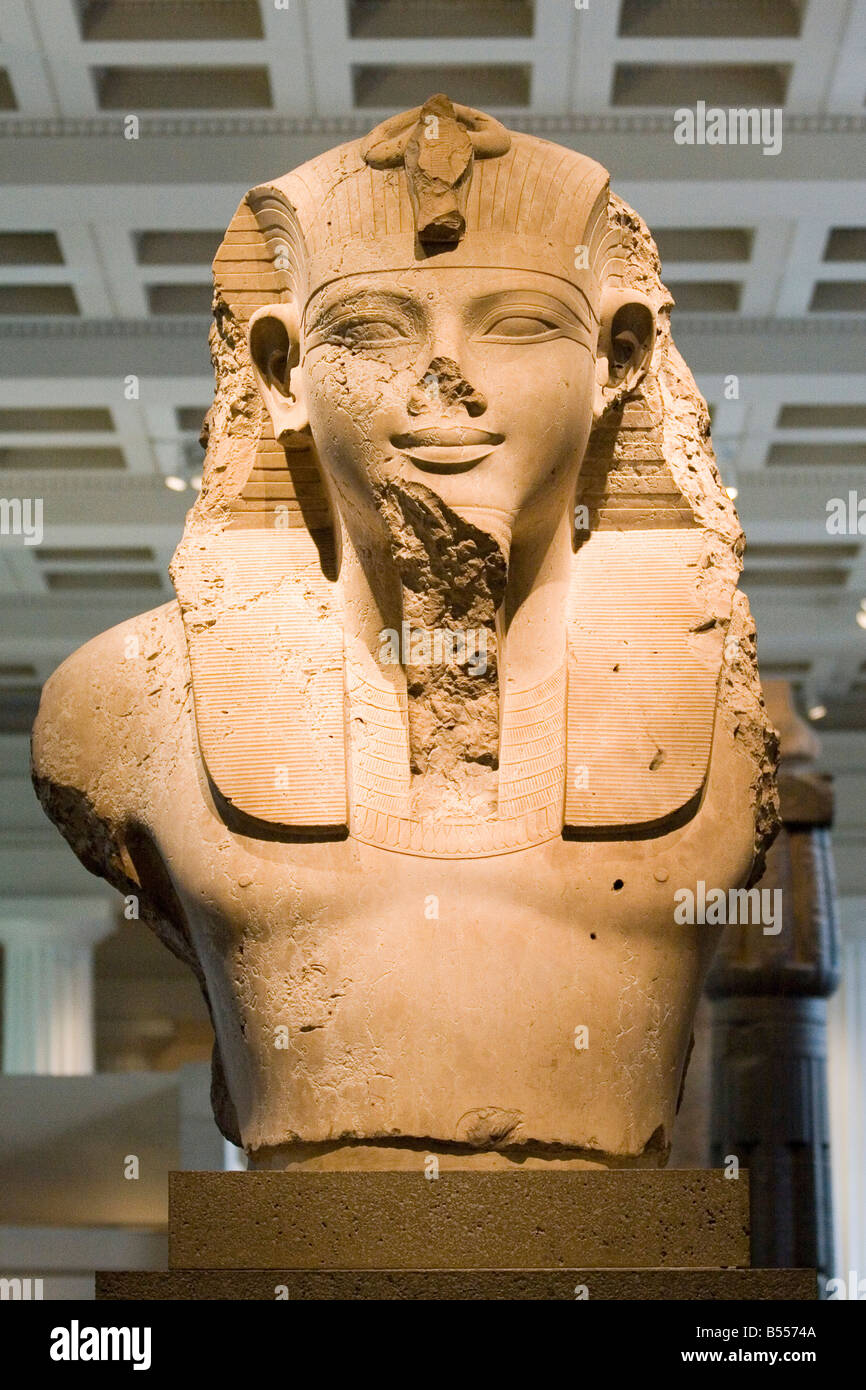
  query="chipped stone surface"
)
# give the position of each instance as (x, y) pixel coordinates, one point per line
(453, 579)
(430, 901)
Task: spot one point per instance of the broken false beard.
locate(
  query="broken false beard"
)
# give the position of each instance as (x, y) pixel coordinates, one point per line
(453, 579)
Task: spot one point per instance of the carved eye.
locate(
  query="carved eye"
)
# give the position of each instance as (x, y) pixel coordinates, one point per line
(366, 332)
(520, 327)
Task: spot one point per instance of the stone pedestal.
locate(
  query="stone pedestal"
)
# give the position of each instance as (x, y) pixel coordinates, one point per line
(48, 983)
(623, 1234)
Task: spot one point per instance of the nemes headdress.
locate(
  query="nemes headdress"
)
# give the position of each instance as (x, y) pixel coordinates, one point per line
(659, 640)
(440, 182)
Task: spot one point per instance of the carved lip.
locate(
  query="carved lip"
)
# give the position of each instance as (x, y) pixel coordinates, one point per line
(447, 451)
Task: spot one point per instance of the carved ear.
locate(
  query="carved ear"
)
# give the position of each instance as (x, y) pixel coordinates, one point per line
(275, 349)
(626, 340)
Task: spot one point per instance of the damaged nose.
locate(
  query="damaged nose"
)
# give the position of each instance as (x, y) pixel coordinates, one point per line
(444, 384)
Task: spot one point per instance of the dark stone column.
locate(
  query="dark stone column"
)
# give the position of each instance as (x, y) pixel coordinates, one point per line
(769, 992)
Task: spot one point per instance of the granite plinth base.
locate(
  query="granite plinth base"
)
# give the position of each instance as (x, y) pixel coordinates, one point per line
(374, 1285)
(627, 1219)
(625, 1234)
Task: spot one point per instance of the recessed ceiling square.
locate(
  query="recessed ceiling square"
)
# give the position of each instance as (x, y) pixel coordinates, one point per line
(408, 84)
(182, 89)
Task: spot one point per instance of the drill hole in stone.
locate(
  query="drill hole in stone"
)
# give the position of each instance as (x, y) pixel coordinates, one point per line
(617, 884)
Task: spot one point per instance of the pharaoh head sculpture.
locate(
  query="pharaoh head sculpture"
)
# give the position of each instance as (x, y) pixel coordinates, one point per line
(473, 689)
(446, 383)
(442, 232)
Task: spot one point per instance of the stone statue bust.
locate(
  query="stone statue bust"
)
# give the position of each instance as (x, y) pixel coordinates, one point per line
(458, 690)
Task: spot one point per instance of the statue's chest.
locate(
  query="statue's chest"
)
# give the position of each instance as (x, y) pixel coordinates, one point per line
(235, 888)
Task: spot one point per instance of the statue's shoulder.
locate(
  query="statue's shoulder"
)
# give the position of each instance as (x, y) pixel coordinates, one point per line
(101, 711)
